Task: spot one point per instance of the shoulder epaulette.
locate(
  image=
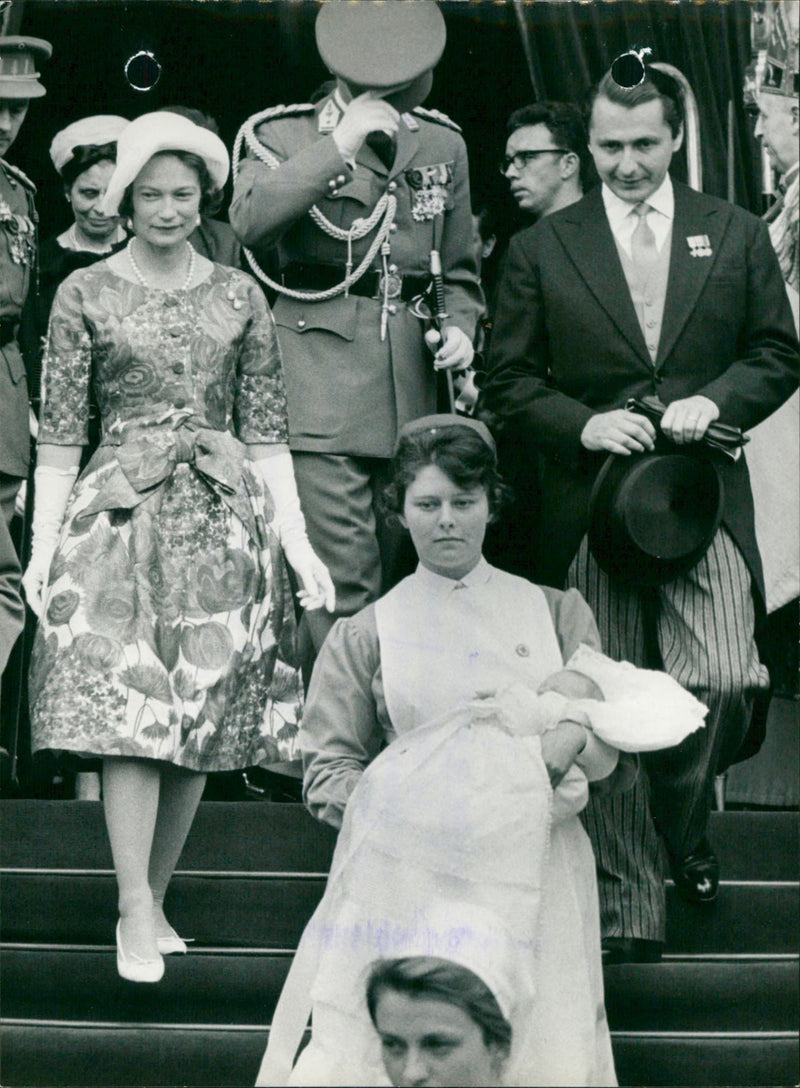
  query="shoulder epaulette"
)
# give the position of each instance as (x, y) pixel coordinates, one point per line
(274, 112)
(437, 116)
(22, 178)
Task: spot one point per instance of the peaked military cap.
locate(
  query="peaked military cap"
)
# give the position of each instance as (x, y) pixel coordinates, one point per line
(380, 43)
(18, 75)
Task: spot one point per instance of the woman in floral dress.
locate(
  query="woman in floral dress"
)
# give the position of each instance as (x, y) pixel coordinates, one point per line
(166, 635)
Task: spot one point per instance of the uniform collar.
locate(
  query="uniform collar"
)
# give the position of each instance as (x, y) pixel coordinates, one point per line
(480, 575)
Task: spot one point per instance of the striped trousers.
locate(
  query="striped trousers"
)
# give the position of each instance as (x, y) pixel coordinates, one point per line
(701, 627)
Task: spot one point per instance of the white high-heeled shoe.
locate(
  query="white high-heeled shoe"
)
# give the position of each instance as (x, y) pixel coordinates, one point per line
(134, 968)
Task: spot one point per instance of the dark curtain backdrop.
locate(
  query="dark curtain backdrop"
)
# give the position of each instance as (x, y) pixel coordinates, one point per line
(233, 58)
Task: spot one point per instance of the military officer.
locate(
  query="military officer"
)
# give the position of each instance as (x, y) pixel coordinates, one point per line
(19, 83)
(355, 191)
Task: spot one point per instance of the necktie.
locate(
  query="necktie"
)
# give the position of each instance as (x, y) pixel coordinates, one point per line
(383, 146)
(643, 242)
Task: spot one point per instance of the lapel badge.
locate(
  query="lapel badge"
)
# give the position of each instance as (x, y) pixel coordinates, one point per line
(329, 117)
(699, 245)
(411, 123)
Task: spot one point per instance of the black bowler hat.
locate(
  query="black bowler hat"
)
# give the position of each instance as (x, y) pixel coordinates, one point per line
(653, 515)
(380, 44)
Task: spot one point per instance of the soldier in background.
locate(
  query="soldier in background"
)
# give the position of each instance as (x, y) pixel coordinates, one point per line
(360, 186)
(19, 83)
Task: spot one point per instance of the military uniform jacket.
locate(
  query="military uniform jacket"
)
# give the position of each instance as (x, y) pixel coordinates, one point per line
(567, 344)
(17, 259)
(349, 392)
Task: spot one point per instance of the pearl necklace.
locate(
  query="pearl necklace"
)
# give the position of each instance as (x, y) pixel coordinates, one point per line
(148, 287)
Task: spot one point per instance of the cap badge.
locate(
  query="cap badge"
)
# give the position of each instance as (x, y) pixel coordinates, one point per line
(699, 245)
(432, 190)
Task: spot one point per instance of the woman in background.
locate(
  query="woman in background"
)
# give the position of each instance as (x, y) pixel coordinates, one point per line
(84, 154)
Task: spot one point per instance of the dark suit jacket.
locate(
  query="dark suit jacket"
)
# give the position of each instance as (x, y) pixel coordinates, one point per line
(567, 344)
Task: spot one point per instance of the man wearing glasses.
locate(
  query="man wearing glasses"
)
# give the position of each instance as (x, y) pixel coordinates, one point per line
(545, 159)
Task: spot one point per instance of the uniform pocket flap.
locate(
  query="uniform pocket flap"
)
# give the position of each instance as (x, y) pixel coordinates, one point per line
(358, 188)
(337, 315)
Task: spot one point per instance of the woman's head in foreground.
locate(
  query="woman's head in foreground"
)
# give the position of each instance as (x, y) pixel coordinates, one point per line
(439, 1023)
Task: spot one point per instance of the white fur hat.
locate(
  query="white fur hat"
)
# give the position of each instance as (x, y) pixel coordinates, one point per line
(162, 131)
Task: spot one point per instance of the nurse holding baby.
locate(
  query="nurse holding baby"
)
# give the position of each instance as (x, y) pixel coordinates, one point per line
(446, 739)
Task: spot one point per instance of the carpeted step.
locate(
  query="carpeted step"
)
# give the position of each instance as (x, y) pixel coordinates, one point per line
(258, 836)
(270, 912)
(283, 837)
(63, 1056)
(762, 1059)
(732, 995)
(216, 987)
(58, 908)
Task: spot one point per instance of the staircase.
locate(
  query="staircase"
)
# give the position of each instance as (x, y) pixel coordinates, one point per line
(722, 1009)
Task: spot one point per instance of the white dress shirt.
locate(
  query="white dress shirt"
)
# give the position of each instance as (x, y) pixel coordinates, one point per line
(622, 219)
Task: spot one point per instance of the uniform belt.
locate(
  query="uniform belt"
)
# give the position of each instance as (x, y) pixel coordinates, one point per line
(319, 277)
(8, 330)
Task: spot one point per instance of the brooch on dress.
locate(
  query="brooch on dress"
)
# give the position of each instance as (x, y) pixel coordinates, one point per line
(21, 233)
(431, 190)
(699, 245)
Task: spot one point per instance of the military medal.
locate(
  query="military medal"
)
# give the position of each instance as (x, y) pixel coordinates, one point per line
(20, 232)
(699, 245)
(431, 188)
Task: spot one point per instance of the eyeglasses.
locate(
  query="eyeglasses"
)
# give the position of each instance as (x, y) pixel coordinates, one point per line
(520, 159)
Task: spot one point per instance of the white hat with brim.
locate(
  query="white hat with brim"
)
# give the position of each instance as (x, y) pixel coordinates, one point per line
(155, 132)
(88, 132)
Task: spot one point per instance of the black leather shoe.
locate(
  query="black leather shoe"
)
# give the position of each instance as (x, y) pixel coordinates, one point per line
(696, 876)
(631, 950)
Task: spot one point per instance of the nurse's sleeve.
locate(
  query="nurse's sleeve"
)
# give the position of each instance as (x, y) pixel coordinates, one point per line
(341, 733)
(574, 622)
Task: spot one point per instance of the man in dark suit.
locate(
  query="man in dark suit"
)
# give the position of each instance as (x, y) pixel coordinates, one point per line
(645, 287)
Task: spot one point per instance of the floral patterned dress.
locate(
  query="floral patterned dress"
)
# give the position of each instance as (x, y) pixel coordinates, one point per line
(168, 628)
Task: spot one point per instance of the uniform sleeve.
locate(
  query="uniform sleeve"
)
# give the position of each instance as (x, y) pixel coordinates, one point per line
(462, 287)
(575, 624)
(267, 202)
(66, 370)
(260, 405)
(341, 734)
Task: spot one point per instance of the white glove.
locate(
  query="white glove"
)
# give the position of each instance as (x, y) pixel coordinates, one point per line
(363, 115)
(52, 487)
(277, 474)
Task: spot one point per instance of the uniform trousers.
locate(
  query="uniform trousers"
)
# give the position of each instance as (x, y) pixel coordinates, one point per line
(702, 624)
(12, 609)
(365, 553)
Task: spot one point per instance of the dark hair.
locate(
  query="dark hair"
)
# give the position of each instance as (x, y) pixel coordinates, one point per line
(565, 123)
(655, 84)
(84, 157)
(460, 453)
(441, 980)
(210, 196)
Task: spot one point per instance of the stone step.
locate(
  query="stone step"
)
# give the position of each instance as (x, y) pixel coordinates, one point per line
(61, 1055)
(241, 987)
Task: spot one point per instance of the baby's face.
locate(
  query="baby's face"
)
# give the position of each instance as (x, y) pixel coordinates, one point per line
(572, 685)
